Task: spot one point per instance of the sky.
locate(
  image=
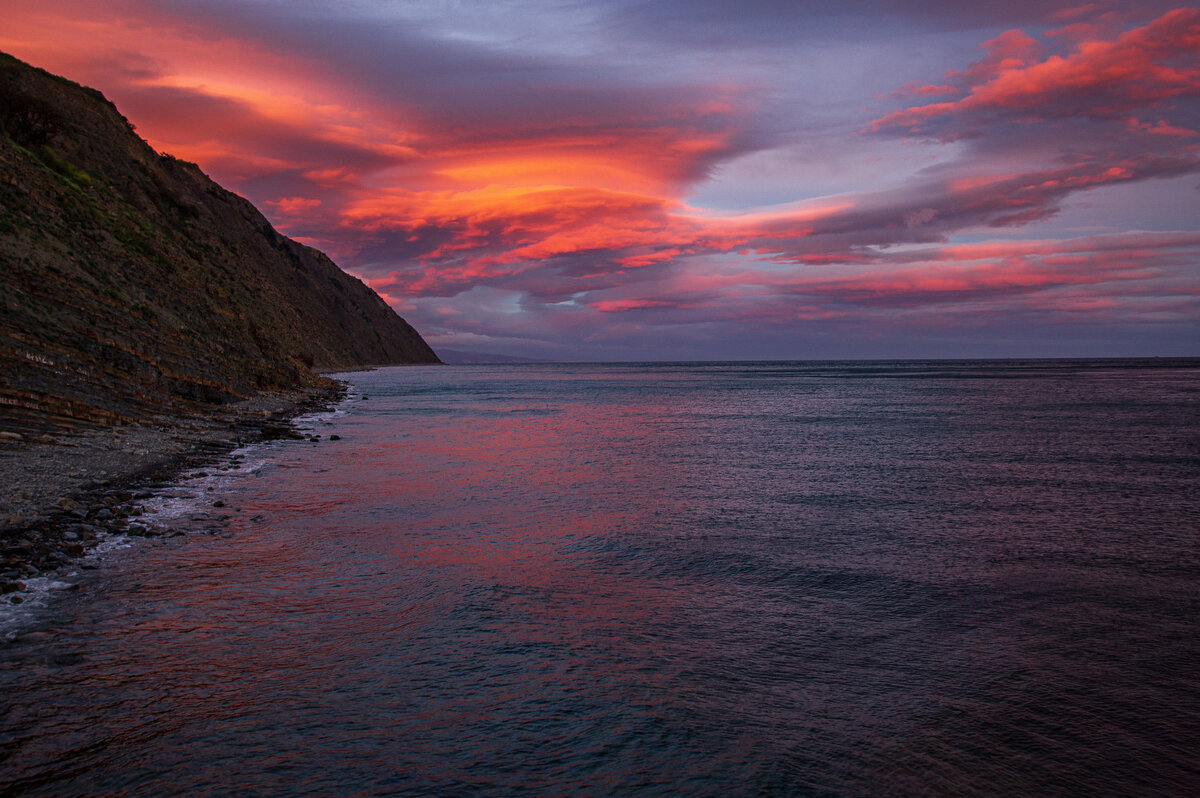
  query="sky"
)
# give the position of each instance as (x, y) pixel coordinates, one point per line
(695, 179)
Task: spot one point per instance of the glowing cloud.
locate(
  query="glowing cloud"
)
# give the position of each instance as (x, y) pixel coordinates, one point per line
(506, 191)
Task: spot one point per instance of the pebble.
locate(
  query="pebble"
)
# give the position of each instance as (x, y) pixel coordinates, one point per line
(92, 503)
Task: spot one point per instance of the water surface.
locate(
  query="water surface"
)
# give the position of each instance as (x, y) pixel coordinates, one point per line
(724, 579)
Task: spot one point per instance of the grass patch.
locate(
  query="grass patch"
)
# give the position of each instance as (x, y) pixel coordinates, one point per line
(63, 167)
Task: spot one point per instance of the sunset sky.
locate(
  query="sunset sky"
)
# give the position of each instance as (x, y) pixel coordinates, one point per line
(625, 179)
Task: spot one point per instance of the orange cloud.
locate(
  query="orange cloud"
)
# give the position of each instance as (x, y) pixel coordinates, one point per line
(292, 205)
(449, 171)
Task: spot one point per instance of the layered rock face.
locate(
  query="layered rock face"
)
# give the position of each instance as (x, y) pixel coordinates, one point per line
(132, 286)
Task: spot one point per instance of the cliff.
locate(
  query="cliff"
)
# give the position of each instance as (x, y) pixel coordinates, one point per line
(133, 287)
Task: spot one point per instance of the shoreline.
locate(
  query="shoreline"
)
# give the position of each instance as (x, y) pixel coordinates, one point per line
(59, 496)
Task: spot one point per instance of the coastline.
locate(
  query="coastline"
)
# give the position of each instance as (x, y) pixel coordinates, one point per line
(59, 496)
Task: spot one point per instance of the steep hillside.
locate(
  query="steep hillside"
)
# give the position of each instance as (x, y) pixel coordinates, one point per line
(132, 286)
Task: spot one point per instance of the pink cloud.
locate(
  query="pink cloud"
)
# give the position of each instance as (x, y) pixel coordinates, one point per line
(512, 196)
(1141, 68)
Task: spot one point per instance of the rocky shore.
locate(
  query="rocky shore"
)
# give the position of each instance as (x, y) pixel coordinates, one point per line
(60, 495)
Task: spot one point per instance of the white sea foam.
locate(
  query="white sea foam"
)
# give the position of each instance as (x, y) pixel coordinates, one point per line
(175, 506)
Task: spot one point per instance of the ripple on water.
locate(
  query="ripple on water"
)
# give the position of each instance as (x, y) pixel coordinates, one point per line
(961, 578)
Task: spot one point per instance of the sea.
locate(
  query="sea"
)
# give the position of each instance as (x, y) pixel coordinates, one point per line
(813, 578)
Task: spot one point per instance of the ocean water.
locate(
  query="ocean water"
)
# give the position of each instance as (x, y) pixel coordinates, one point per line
(944, 578)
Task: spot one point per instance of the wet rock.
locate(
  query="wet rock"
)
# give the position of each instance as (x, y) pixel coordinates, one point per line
(76, 501)
(218, 503)
(273, 432)
(11, 587)
(335, 437)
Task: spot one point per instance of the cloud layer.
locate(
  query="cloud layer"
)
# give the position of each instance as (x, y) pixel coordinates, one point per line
(708, 181)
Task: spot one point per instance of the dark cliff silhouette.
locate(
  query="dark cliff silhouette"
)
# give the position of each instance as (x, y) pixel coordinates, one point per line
(132, 286)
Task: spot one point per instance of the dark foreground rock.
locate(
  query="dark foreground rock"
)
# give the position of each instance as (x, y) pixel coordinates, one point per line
(60, 495)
